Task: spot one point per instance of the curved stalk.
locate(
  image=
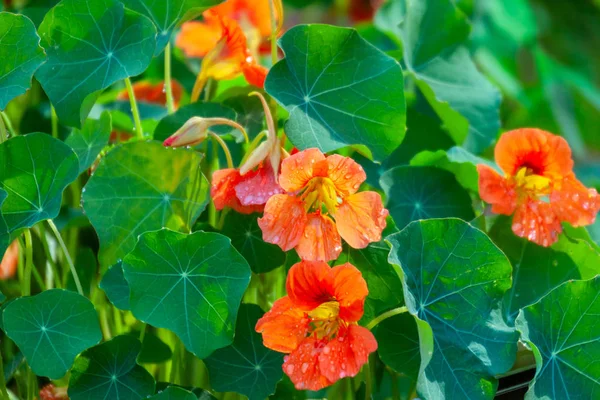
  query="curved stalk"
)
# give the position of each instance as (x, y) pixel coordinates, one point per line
(168, 84)
(63, 246)
(26, 287)
(134, 109)
(388, 314)
(224, 147)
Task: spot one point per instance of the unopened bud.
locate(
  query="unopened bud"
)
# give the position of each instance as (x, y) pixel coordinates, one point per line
(196, 130)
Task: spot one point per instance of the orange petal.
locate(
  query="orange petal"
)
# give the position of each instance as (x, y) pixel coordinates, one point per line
(298, 169)
(10, 260)
(255, 73)
(196, 39)
(308, 284)
(255, 13)
(256, 187)
(223, 193)
(496, 190)
(346, 174)
(320, 241)
(153, 93)
(545, 154)
(302, 365)
(283, 221)
(283, 327)
(350, 289)
(345, 355)
(536, 221)
(574, 203)
(360, 219)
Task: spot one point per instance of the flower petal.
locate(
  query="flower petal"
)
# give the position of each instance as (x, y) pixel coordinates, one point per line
(496, 190)
(9, 261)
(345, 355)
(283, 221)
(196, 38)
(545, 154)
(256, 187)
(223, 193)
(303, 366)
(320, 241)
(153, 93)
(346, 174)
(536, 221)
(308, 284)
(255, 73)
(298, 169)
(283, 327)
(360, 219)
(574, 203)
(350, 290)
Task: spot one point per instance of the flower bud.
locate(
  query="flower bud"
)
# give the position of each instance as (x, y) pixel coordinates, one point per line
(195, 130)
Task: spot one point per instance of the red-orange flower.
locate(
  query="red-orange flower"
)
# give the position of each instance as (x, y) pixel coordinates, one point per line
(10, 261)
(539, 186)
(322, 205)
(316, 324)
(153, 93)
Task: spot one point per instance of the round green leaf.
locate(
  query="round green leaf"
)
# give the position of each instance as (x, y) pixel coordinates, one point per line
(21, 55)
(34, 171)
(339, 90)
(246, 367)
(139, 187)
(424, 192)
(454, 279)
(169, 14)
(110, 371)
(51, 328)
(174, 393)
(116, 287)
(107, 44)
(246, 237)
(89, 141)
(190, 284)
(562, 330)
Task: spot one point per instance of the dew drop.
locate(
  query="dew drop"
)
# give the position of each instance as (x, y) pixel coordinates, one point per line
(304, 367)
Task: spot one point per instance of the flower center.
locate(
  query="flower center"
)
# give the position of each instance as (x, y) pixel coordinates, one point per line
(320, 192)
(325, 321)
(527, 180)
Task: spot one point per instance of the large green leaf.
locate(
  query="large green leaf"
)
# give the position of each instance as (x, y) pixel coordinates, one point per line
(116, 287)
(562, 330)
(169, 14)
(20, 53)
(4, 232)
(246, 237)
(174, 393)
(454, 279)
(51, 328)
(537, 270)
(107, 44)
(34, 171)
(424, 192)
(190, 284)
(89, 141)
(110, 371)
(247, 366)
(339, 91)
(139, 187)
(433, 34)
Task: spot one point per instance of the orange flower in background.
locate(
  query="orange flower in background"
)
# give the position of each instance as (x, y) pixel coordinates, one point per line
(10, 261)
(363, 10)
(153, 93)
(316, 324)
(539, 186)
(321, 189)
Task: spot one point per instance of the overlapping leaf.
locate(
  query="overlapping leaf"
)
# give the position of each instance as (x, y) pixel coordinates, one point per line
(4, 232)
(143, 186)
(116, 287)
(110, 371)
(190, 284)
(21, 55)
(339, 91)
(51, 328)
(174, 393)
(246, 366)
(562, 330)
(91, 44)
(34, 171)
(89, 141)
(454, 279)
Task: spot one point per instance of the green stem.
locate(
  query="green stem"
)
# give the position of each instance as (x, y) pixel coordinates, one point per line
(273, 32)
(3, 132)
(26, 288)
(176, 362)
(9, 128)
(386, 315)
(67, 256)
(168, 84)
(54, 119)
(49, 259)
(223, 145)
(143, 333)
(134, 110)
(2, 381)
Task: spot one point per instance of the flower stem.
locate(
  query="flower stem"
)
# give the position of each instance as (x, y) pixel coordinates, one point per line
(143, 333)
(134, 109)
(168, 84)
(26, 287)
(63, 246)
(3, 131)
(386, 315)
(201, 80)
(224, 147)
(54, 119)
(2, 381)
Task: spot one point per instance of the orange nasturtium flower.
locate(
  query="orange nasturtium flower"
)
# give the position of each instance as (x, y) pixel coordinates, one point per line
(316, 324)
(153, 93)
(9, 261)
(321, 188)
(539, 186)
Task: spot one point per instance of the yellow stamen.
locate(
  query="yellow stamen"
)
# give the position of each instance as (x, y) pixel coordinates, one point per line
(526, 179)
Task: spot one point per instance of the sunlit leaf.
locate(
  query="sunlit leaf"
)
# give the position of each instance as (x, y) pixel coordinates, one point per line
(246, 366)
(424, 192)
(562, 330)
(110, 371)
(51, 328)
(34, 171)
(139, 187)
(339, 91)
(90, 140)
(174, 393)
(454, 279)
(190, 284)
(116, 287)
(21, 55)
(107, 43)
